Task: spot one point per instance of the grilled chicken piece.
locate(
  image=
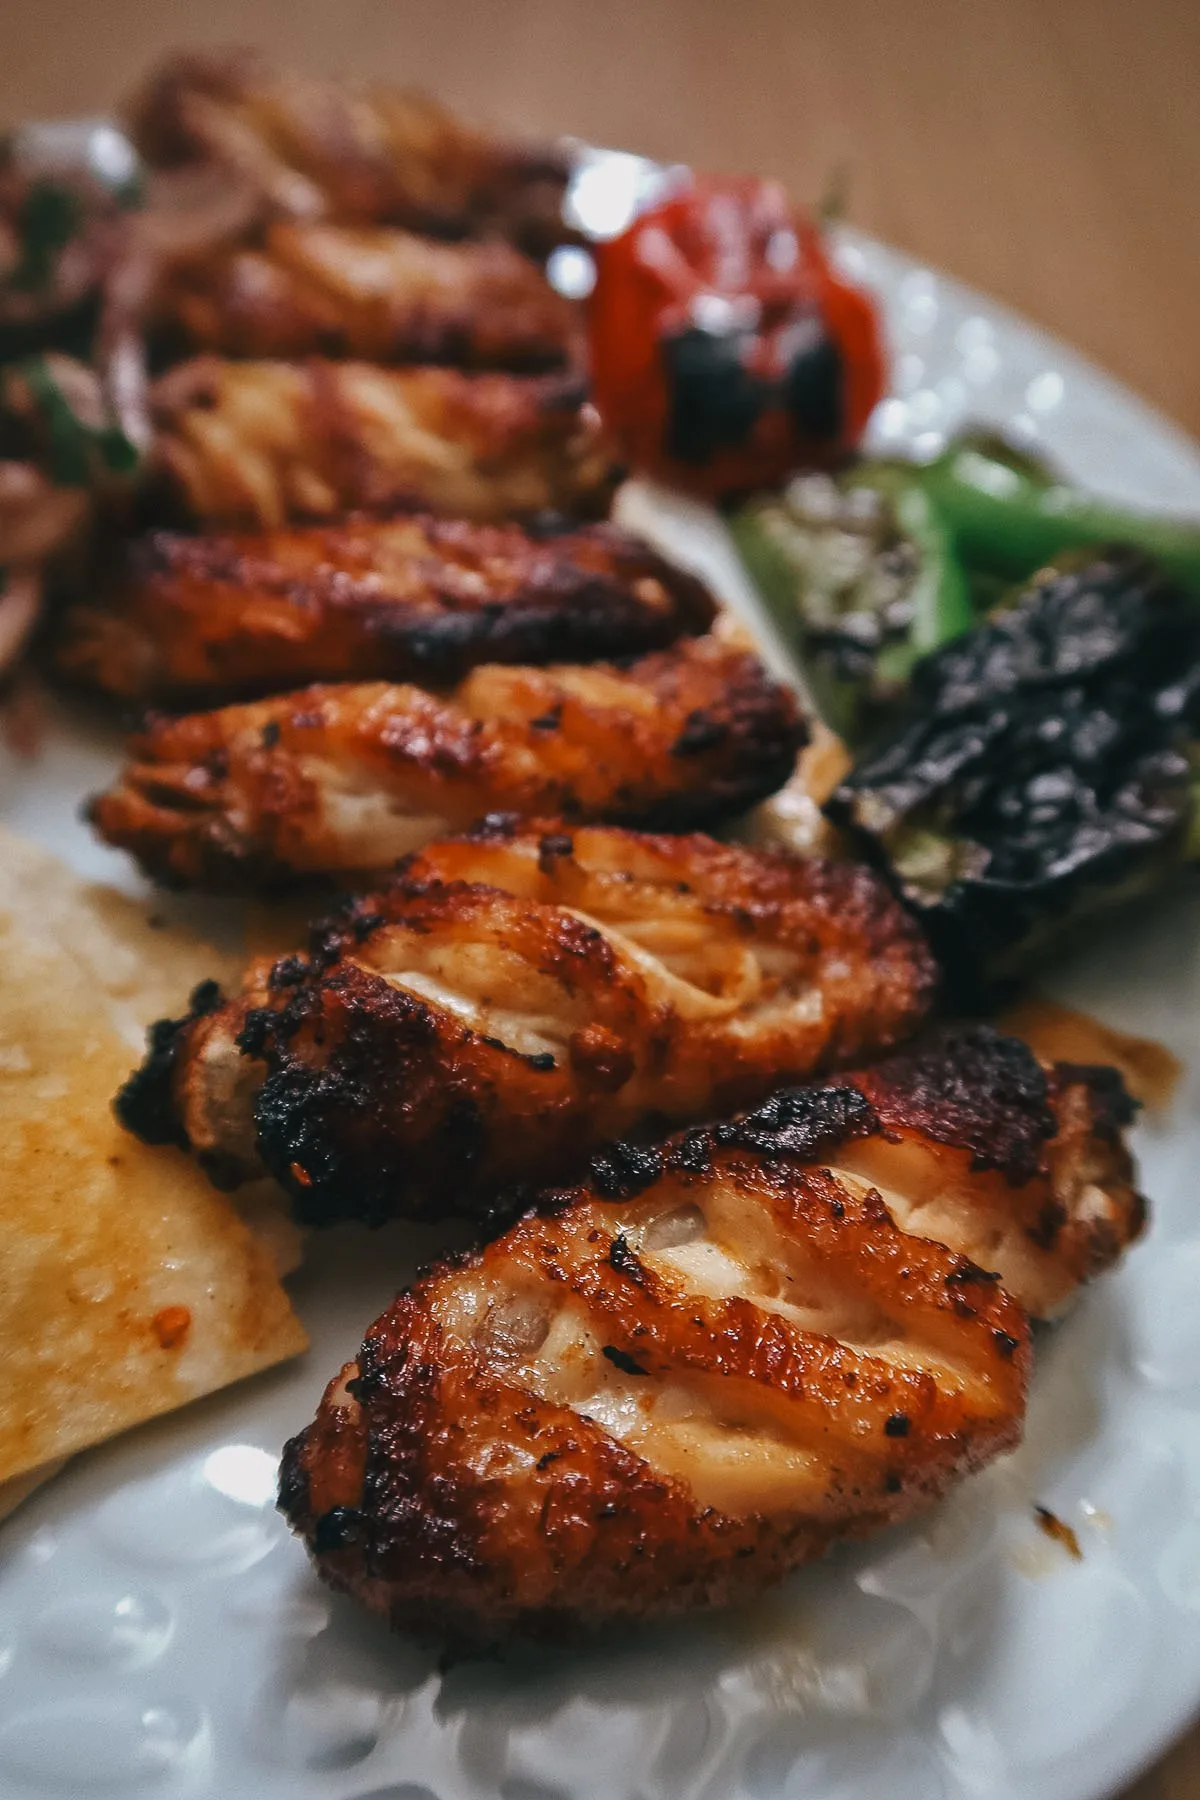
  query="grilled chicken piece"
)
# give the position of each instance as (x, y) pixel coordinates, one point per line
(667, 1387)
(322, 150)
(367, 291)
(1017, 1164)
(347, 780)
(404, 599)
(258, 443)
(518, 995)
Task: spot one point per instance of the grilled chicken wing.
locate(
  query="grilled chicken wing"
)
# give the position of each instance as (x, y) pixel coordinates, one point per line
(1020, 1166)
(316, 149)
(347, 780)
(518, 995)
(371, 292)
(257, 443)
(403, 599)
(667, 1387)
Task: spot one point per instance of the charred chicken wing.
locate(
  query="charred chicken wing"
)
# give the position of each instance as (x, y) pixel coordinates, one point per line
(346, 780)
(257, 443)
(515, 997)
(404, 599)
(367, 291)
(667, 1387)
(312, 149)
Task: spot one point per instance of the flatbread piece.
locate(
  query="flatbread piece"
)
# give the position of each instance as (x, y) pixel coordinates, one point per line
(127, 1285)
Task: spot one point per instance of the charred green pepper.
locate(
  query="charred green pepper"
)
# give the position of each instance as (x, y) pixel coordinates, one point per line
(867, 571)
(1046, 766)
(861, 576)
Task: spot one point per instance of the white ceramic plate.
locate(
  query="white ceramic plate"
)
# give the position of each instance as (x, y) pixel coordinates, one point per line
(160, 1633)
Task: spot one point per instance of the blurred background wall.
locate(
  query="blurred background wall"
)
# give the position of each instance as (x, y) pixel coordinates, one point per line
(1046, 150)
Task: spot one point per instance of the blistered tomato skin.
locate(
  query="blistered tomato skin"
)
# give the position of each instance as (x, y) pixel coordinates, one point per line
(726, 352)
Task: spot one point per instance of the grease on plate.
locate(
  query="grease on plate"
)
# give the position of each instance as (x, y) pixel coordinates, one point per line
(1061, 1034)
(1051, 1526)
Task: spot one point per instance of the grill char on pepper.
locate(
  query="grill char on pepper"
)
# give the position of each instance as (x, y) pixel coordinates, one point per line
(1043, 769)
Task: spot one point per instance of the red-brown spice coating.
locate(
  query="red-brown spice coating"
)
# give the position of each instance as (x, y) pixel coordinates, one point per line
(383, 295)
(1053, 1196)
(625, 1409)
(260, 443)
(414, 598)
(345, 780)
(520, 994)
(666, 1387)
(310, 149)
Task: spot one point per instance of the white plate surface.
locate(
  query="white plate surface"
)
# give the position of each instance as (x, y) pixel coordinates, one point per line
(161, 1634)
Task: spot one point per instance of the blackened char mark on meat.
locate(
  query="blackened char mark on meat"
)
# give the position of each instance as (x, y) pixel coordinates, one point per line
(1113, 1105)
(146, 1105)
(621, 1171)
(972, 1090)
(804, 1123)
(799, 1123)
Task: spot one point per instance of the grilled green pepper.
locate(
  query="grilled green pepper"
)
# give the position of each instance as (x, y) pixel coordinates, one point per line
(1008, 515)
(862, 578)
(869, 570)
(1046, 766)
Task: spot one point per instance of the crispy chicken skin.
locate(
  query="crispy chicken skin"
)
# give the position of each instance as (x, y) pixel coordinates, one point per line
(366, 291)
(346, 780)
(1022, 1167)
(312, 149)
(515, 997)
(665, 1388)
(413, 598)
(258, 443)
